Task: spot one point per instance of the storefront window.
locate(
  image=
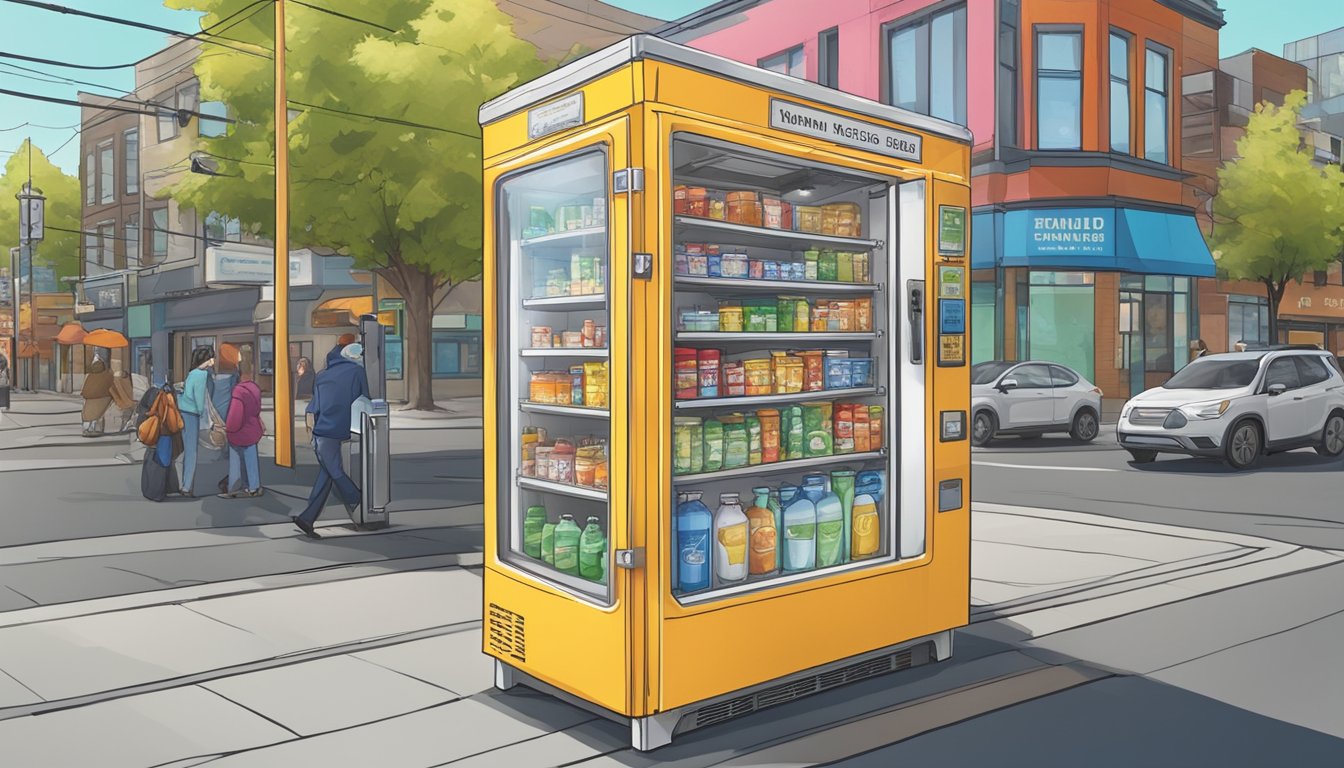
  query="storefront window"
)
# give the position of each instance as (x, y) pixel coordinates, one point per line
(1059, 86)
(457, 354)
(1062, 320)
(1157, 338)
(1119, 93)
(1155, 122)
(983, 328)
(927, 65)
(1247, 320)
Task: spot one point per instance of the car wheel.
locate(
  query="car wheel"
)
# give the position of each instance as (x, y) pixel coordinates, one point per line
(983, 427)
(1244, 445)
(1332, 437)
(1085, 426)
(1142, 456)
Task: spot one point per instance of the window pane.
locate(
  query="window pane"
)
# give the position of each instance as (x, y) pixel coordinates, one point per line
(1157, 332)
(1155, 71)
(1155, 127)
(797, 65)
(1119, 117)
(132, 151)
(213, 128)
(1007, 96)
(107, 240)
(1061, 51)
(982, 322)
(1119, 58)
(1060, 113)
(942, 68)
(1062, 326)
(905, 69)
(132, 236)
(107, 174)
(159, 221)
(828, 65)
(90, 194)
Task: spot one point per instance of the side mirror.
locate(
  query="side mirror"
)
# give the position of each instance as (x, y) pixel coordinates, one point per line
(1007, 384)
(1275, 390)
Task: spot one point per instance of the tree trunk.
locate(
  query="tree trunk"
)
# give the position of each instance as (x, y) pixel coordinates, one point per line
(417, 355)
(1274, 292)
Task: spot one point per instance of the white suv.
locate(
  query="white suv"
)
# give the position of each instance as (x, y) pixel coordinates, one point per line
(1240, 406)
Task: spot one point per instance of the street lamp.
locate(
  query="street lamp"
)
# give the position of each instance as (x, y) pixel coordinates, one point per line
(32, 225)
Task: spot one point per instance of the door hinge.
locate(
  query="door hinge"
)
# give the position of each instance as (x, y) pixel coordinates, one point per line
(627, 180)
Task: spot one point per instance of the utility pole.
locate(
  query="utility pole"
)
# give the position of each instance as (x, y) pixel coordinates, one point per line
(283, 394)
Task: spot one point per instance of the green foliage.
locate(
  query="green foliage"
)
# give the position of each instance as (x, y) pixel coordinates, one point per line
(1278, 216)
(57, 249)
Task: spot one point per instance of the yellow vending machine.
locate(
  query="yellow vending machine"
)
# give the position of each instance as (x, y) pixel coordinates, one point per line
(726, 387)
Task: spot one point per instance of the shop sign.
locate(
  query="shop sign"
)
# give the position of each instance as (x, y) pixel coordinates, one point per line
(860, 134)
(300, 268)
(1064, 231)
(555, 116)
(239, 265)
(104, 296)
(952, 230)
(951, 282)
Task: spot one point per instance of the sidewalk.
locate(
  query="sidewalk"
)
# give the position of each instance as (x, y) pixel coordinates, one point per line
(385, 669)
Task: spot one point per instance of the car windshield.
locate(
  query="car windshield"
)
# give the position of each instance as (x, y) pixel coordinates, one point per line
(985, 373)
(1214, 374)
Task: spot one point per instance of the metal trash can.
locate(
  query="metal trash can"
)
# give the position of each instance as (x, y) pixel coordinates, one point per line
(370, 462)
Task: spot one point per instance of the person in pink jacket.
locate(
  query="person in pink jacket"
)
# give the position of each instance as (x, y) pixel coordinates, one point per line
(244, 430)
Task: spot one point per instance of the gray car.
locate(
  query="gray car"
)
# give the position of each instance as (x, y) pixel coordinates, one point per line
(1031, 398)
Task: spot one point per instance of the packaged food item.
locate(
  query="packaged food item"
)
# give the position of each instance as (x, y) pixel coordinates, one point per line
(713, 450)
(697, 201)
(807, 218)
(539, 388)
(814, 370)
(810, 265)
(600, 337)
(772, 209)
(848, 221)
(735, 441)
(756, 269)
(571, 339)
(838, 373)
(543, 470)
(863, 268)
(562, 462)
(821, 315)
(862, 430)
(744, 207)
(758, 374)
(770, 434)
(680, 266)
(793, 436)
(786, 215)
(734, 379)
(817, 430)
(686, 376)
(735, 266)
(760, 316)
(576, 379)
(541, 336)
(753, 439)
(844, 267)
(842, 316)
(589, 333)
(861, 372)
(784, 313)
(771, 270)
(687, 445)
(708, 366)
(700, 320)
(788, 373)
(826, 266)
(595, 384)
(697, 265)
(715, 264)
(585, 468)
(877, 440)
(730, 318)
(681, 206)
(863, 314)
(716, 203)
(844, 428)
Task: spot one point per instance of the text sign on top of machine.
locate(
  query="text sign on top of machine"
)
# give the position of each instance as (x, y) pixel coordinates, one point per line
(795, 118)
(555, 116)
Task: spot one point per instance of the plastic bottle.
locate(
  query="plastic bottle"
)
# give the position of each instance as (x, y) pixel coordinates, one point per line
(567, 536)
(532, 525)
(730, 540)
(763, 534)
(777, 509)
(867, 538)
(592, 550)
(871, 482)
(694, 525)
(842, 484)
(548, 543)
(830, 527)
(800, 531)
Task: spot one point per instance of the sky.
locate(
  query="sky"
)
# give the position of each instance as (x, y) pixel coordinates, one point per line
(1265, 24)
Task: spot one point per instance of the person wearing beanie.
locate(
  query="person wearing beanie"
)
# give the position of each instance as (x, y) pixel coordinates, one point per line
(328, 416)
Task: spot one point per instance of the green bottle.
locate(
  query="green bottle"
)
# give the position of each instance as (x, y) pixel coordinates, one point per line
(532, 525)
(592, 550)
(842, 485)
(567, 546)
(548, 543)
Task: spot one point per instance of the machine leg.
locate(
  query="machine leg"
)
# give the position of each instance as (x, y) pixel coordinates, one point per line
(654, 731)
(504, 676)
(942, 646)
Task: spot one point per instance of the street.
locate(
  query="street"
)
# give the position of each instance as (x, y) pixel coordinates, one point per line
(1174, 615)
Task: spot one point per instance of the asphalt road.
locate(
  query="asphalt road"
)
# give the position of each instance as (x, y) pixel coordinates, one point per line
(1295, 497)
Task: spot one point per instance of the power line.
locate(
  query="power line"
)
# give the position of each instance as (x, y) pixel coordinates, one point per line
(61, 9)
(346, 16)
(162, 112)
(47, 77)
(55, 63)
(43, 127)
(381, 119)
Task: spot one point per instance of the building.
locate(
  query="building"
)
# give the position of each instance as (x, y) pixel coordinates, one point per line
(1323, 57)
(1085, 246)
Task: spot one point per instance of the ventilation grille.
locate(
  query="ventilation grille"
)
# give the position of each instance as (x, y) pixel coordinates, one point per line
(796, 689)
(507, 633)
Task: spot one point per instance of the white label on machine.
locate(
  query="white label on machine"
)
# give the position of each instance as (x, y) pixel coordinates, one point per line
(795, 118)
(555, 116)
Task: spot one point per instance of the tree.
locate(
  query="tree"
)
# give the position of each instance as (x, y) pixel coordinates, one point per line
(384, 145)
(1278, 216)
(58, 249)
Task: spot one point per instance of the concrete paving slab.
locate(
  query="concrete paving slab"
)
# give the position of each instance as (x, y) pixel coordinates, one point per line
(323, 615)
(1102, 535)
(136, 731)
(598, 737)
(1298, 560)
(13, 692)
(1045, 570)
(329, 694)
(88, 654)
(1092, 609)
(422, 739)
(453, 662)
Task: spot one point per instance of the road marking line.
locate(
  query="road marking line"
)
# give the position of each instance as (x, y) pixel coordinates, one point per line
(1035, 466)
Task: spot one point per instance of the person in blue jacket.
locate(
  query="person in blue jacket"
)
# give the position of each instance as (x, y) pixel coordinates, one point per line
(195, 391)
(328, 416)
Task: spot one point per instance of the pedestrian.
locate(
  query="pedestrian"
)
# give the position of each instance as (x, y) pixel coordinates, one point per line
(193, 407)
(303, 379)
(97, 394)
(123, 397)
(245, 430)
(159, 427)
(345, 340)
(220, 386)
(1201, 349)
(328, 420)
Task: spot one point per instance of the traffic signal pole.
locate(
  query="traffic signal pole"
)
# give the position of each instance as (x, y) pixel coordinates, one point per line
(283, 393)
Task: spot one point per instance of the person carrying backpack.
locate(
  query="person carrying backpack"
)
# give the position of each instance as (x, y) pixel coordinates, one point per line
(160, 429)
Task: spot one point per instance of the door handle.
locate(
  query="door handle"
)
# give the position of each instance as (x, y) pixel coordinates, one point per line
(914, 305)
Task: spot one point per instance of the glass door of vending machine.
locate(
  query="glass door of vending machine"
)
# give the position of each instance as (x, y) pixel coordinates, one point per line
(555, 298)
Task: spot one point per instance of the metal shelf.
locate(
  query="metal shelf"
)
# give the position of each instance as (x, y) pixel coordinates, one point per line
(560, 238)
(727, 233)
(780, 467)
(597, 352)
(565, 410)
(562, 489)
(777, 579)
(793, 397)
(725, 338)
(567, 303)
(738, 285)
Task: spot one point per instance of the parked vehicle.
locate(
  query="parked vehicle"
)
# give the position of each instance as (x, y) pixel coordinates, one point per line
(1240, 406)
(1031, 398)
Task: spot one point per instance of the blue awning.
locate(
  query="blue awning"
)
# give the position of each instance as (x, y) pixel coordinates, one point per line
(1093, 240)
